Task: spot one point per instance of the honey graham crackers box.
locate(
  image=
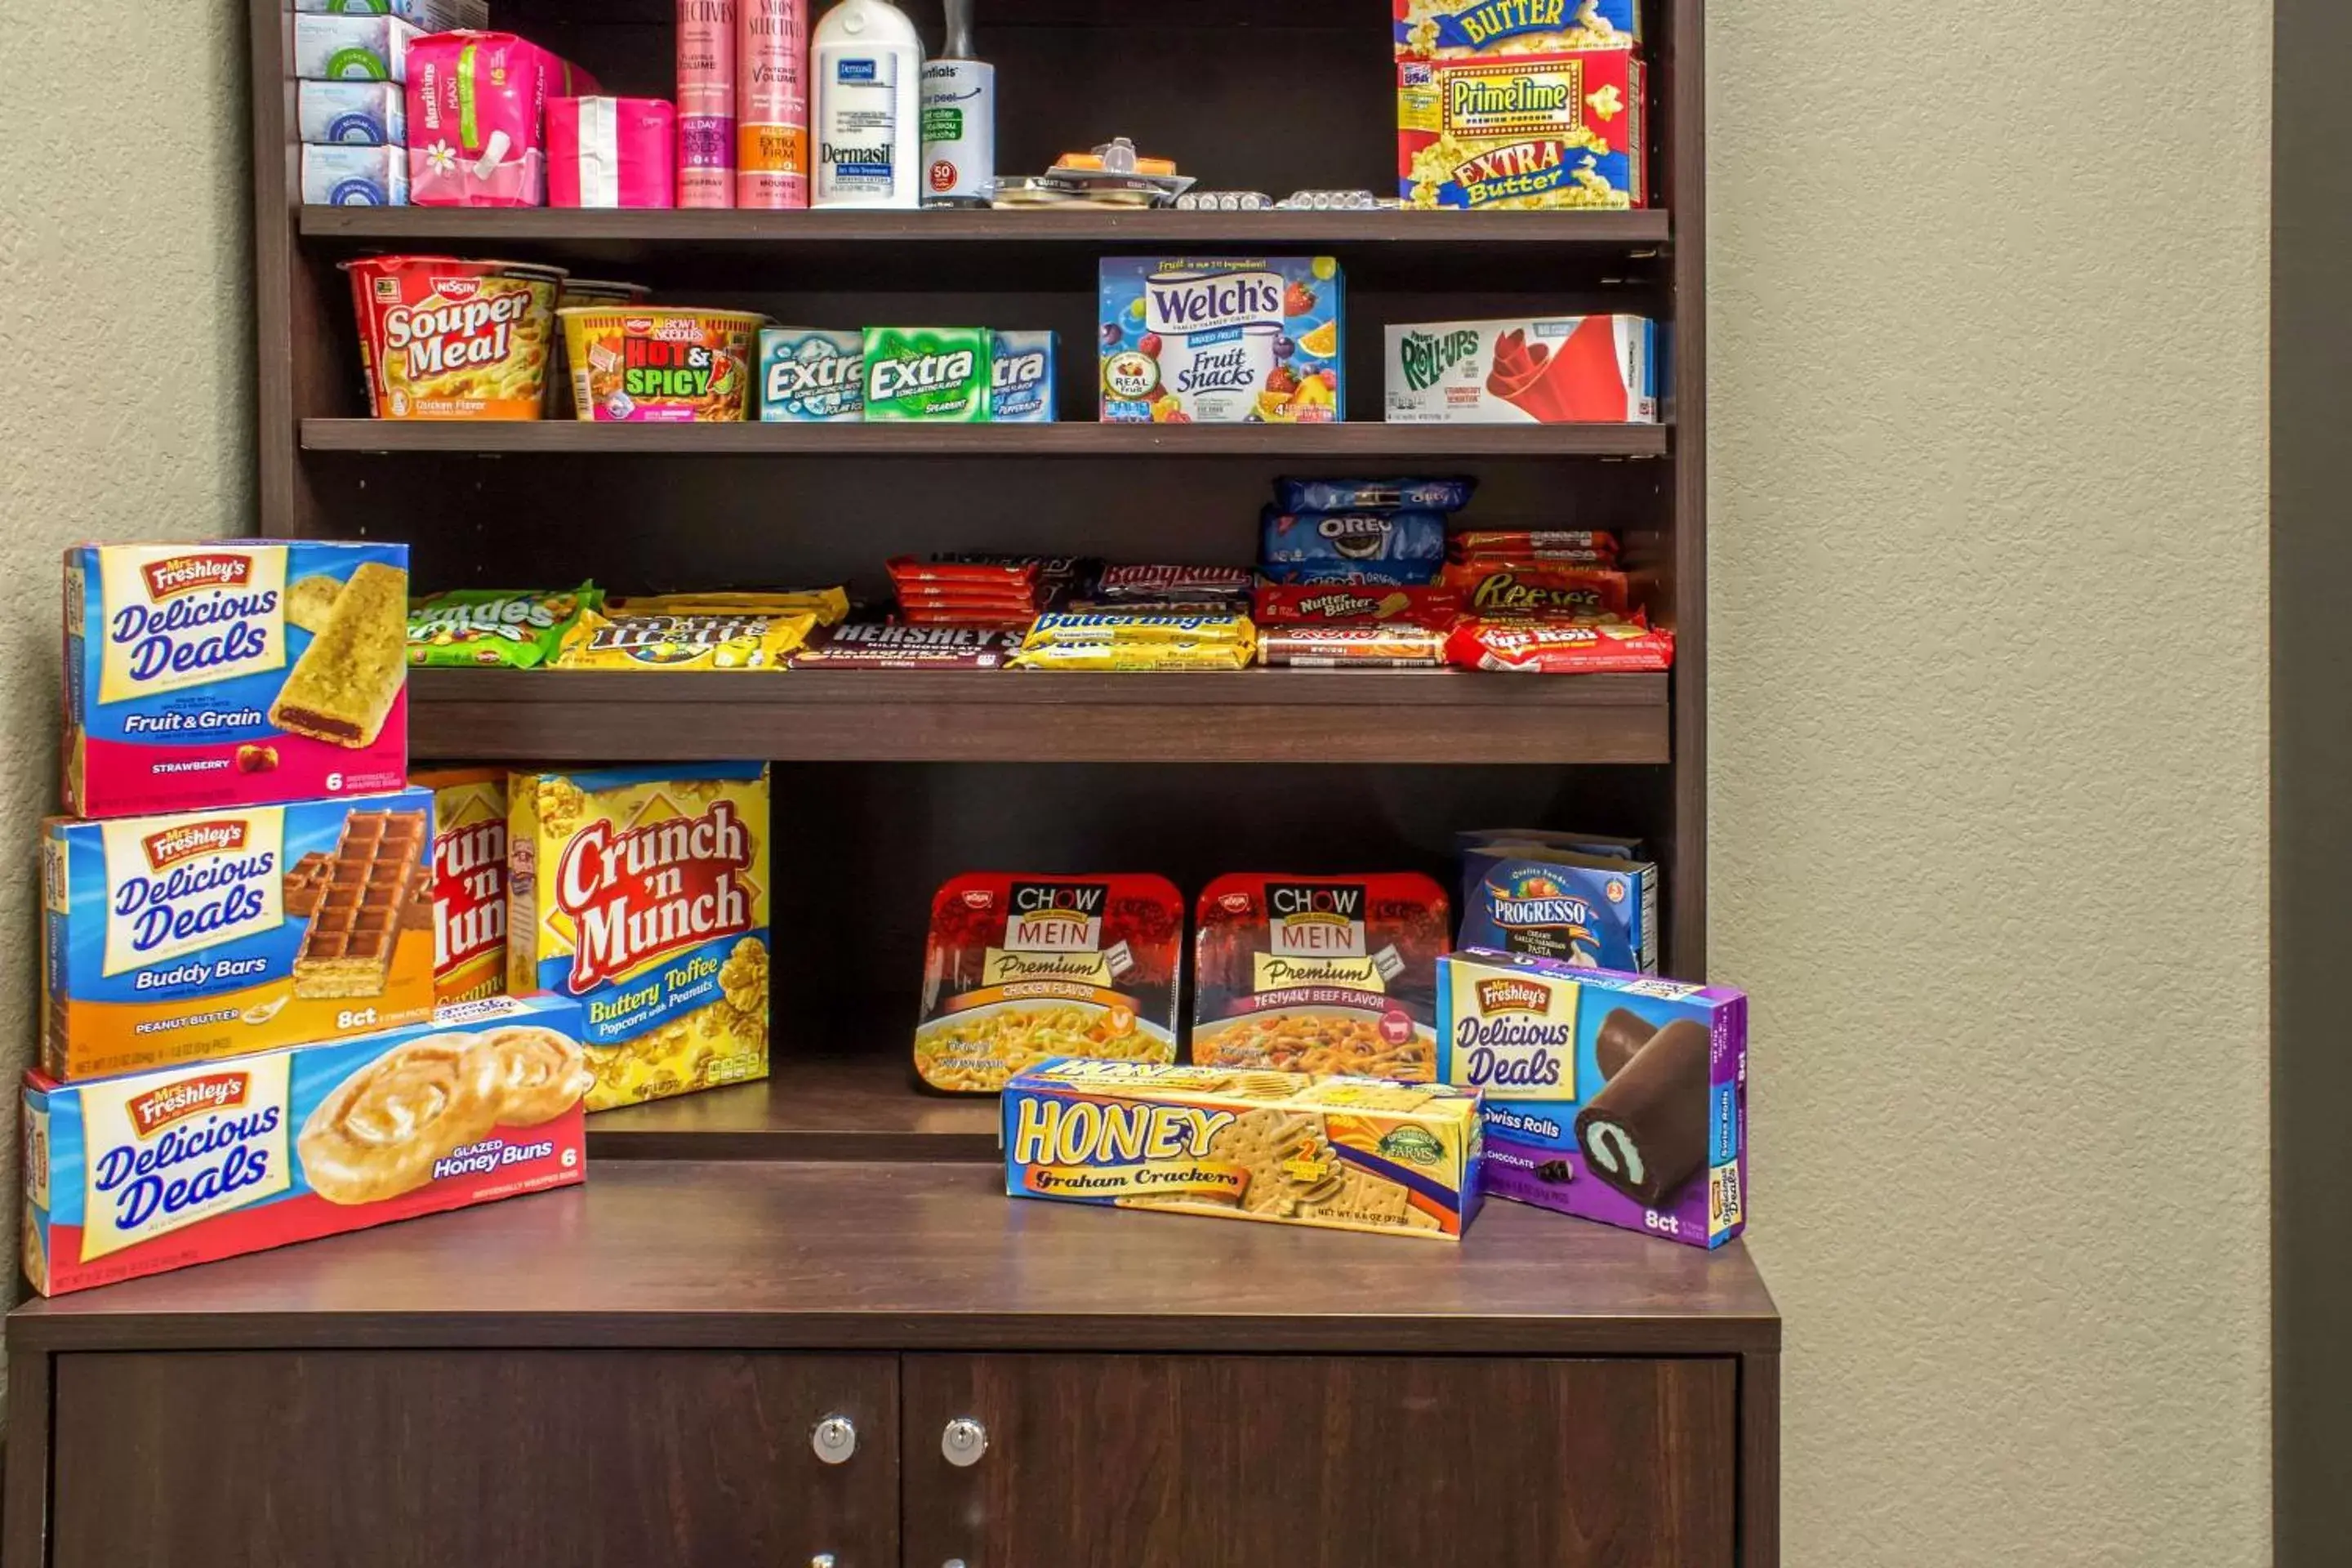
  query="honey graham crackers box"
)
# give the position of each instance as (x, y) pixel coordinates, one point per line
(141, 1174)
(1618, 1098)
(168, 940)
(643, 891)
(238, 672)
(469, 882)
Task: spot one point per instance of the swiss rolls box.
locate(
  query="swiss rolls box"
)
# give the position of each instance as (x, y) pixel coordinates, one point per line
(1618, 1098)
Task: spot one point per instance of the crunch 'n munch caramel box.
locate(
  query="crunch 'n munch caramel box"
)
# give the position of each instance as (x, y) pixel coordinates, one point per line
(236, 672)
(470, 882)
(643, 891)
(1348, 1153)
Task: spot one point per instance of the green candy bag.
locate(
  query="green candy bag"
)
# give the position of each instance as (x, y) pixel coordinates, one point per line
(515, 627)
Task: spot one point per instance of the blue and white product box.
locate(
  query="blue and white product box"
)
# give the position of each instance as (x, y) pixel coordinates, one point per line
(1616, 1097)
(1594, 911)
(356, 176)
(431, 15)
(351, 49)
(1021, 389)
(812, 375)
(351, 113)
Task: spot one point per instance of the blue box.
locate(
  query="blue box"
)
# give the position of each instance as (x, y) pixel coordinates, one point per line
(1021, 387)
(1592, 910)
(1223, 340)
(809, 375)
(351, 113)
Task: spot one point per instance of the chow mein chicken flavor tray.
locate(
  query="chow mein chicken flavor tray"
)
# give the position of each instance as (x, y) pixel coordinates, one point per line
(1320, 974)
(1021, 969)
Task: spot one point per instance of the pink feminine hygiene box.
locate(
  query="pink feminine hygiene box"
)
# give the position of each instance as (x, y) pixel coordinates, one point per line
(611, 152)
(477, 118)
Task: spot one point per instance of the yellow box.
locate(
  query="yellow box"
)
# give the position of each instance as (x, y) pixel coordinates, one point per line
(1348, 1153)
(643, 892)
(470, 882)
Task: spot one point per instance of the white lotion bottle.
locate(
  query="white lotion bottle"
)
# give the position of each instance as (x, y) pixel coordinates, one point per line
(865, 69)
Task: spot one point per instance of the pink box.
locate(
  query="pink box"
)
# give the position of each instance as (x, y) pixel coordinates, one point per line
(477, 118)
(610, 152)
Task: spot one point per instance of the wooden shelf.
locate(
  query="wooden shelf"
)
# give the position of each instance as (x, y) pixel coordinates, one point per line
(820, 1107)
(1075, 438)
(911, 1257)
(1257, 715)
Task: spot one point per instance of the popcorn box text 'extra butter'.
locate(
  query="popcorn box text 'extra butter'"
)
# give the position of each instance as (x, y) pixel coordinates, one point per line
(470, 882)
(129, 1176)
(176, 939)
(1618, 1098)
(1223, 340)
(643, 892)
(233, 673)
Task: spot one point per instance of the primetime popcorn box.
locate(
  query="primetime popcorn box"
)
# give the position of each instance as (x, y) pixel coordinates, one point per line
(643, 892)
(1618, 1098)
(143, 1174)
(233, 673)
(176, 939)
(1524, 132)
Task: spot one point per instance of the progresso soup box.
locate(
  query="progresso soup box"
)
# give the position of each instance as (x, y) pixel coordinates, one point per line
(1619, 1098)
(136, 1175)
(233, 673)
(176, 939)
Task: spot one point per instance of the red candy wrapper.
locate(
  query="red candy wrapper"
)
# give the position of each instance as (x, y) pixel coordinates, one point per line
(1377, 645)
(1533, 646)
(1021, 575)
(1535, 544)
(1186, 582)
(1323, 603)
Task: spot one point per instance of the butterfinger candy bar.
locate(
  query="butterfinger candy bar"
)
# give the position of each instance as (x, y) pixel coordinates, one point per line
(1619, 1098)
(1317, 602)
(717, 642)
(1574, 590)
(868, 646)
(346, 949)
(345, 685)
(1140, 627)
(1349, 1153)
(1392, 646)
(1558, 647)
(1135, 656)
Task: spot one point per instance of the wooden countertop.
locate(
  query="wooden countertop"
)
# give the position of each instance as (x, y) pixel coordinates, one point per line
(924, 1256)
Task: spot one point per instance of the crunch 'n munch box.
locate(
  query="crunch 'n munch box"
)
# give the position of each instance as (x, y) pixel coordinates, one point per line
(470, 882)
(1523, 131)
(233, 673)
(1348, 1153)
(1223, 340)
(167, 940)
(643, 892)
(1461, 30)
(1618, 1098)
(130, 1176)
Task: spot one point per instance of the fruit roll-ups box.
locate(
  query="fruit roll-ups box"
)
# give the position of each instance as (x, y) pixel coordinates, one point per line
(237, 672)
(465, 882)
(178, 938)
(643, 892)
(1348, 1153)
(1539, 370)
(1617, 1098)
(156, 1171)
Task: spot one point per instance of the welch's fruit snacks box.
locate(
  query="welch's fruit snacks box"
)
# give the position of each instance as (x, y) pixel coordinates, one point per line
(130, 1176)
(1618, 1098)
(1223, 340)
(238, 672)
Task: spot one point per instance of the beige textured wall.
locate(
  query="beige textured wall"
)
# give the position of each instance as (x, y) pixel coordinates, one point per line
(126, 364)
(1989, 733)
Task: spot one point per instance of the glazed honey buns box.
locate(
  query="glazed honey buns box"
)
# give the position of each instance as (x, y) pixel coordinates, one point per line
(156, 1171)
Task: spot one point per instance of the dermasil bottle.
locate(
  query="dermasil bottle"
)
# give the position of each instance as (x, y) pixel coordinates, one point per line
(867, 67)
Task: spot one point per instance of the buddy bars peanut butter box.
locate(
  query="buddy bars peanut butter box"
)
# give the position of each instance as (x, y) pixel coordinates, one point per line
(127, 1176)
(175, 939)
(237, 672)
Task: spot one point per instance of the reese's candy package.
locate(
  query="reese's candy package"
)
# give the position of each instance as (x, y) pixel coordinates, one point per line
(516, 627)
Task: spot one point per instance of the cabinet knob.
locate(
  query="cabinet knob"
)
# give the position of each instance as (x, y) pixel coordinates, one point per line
(822, 1560)
(834, 1440)
(963, 1440)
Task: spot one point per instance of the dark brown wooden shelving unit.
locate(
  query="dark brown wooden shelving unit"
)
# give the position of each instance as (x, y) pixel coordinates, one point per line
(640, 1363)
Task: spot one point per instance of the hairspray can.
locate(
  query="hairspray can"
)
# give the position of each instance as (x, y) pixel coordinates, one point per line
(771, 103)
(705, 103)
(958, 119)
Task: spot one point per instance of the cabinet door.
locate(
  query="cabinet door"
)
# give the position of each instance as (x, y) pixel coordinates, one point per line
(1321, 1462)
(424, 1458)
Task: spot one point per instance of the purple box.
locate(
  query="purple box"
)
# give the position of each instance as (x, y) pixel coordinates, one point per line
(1619, 1098)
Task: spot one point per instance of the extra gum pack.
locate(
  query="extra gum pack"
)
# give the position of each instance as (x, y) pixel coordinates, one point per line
(233, 673)
(177, 939)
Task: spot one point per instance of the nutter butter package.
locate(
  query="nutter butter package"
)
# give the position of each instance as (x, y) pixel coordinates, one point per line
(1020, 969)
(129, 1176)
(178, 938)
(1618, 1098)
(1319, 974)
(233, 673)
(1348, 1153)
(643, 892)
(470, 882)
